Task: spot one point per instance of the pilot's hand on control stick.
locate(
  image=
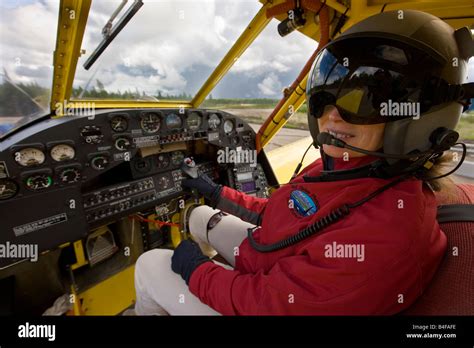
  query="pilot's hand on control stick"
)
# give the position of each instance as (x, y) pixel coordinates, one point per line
(205, 186)
(186, 258)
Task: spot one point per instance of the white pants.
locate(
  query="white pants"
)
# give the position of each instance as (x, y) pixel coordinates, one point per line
(160, 291)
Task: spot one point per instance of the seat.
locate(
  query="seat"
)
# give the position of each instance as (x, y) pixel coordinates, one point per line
(451, 291)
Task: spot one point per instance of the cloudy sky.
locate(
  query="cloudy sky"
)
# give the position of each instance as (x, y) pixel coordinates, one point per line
(173, 46)
(27, 38)
(169, 46)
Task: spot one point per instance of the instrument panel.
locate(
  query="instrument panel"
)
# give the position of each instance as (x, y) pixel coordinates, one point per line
(118, 162)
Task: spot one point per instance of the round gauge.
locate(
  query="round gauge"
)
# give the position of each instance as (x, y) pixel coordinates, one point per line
(177, 158)
(92, 134)
(39, 181)
(194, 120)
(150, 122)
(162, 161)
(8, 188)
(164, 183)
(30, 157)
(99, 162)
(62, 152)
(173, 121)
(142, 165)
(70, 175)
(119, 123)
(122, 143)
(228, 126)
(214, 121)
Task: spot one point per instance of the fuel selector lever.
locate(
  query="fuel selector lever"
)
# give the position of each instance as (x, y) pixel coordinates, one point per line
(189, 167)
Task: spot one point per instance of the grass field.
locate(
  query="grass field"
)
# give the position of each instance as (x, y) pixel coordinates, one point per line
(466, 126)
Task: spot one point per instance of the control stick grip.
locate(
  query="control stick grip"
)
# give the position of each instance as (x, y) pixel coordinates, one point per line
(189, 167)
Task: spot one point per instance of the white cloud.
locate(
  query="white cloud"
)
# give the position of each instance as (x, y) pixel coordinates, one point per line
(220, 27)
(270, 52)
(270, 86)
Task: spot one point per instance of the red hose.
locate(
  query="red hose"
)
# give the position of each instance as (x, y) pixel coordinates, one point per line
(158, 222)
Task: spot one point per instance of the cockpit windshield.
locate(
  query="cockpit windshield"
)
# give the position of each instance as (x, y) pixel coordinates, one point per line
(27, 40)
(166, 50)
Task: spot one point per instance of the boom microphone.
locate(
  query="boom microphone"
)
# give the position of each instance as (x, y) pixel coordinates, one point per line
(328, 139)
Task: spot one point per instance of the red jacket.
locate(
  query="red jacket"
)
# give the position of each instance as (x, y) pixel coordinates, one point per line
(401, 240)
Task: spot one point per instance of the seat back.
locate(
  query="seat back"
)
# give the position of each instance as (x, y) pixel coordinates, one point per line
(451, 291)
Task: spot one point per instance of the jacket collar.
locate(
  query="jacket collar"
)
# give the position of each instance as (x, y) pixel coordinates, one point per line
(332, 163)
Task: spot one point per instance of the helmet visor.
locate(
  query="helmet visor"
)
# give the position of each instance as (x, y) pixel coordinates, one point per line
(374, 81)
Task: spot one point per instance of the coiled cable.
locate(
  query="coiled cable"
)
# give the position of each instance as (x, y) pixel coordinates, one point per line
(327, 220)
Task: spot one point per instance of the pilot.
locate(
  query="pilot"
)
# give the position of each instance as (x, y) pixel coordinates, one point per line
(355, 233)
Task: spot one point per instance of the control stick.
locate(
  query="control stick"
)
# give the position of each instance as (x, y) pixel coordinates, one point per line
(201, 183)
(189, 167)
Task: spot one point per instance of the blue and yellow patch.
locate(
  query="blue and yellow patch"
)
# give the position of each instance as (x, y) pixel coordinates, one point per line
(303, 204)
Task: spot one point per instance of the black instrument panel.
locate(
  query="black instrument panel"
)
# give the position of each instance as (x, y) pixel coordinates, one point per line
(74, 149)
(114, 164)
